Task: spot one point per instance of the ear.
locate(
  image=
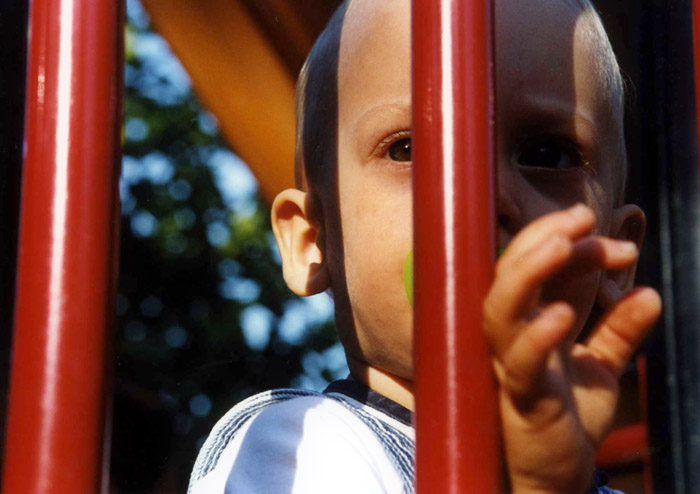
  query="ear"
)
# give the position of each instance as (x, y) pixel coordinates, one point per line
(628, 223)
(297, 231)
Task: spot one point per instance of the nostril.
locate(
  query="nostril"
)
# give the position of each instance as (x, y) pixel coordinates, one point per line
(503, 220)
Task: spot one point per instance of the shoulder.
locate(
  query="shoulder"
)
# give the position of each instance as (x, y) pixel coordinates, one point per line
(306, 444)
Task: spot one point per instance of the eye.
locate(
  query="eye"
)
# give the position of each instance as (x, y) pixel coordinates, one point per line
(550, 153)
(400, 150)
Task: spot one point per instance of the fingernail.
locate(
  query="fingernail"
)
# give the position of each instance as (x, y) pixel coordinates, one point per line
(629, 248)
(580, 211)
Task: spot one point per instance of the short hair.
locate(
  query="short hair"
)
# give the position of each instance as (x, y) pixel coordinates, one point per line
(317, 100)
(317, 108)
(604, 58)
(613, 87)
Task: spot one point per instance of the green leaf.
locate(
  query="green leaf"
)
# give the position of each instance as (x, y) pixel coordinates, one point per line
(408, 276)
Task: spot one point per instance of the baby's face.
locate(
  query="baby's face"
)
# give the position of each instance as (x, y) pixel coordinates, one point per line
(558, 143)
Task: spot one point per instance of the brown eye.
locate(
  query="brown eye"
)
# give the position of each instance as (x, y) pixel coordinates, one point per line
(548, 154)
(400, 150)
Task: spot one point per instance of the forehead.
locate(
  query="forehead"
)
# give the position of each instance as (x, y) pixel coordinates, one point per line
(546, 52)
(375, 52)
(535, 38)
(541, 47)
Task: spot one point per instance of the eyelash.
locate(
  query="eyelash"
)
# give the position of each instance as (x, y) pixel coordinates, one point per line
(580, 158)
(568, 146)
(383, 147)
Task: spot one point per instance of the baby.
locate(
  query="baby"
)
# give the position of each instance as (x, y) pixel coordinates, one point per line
(570, 242)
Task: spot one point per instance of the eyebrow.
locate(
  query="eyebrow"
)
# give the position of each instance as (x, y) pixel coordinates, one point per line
(377, 120)
(552, 107)
(558, 110)
(384, 111)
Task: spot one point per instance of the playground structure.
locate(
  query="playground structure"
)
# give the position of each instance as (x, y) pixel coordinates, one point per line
(69, 205)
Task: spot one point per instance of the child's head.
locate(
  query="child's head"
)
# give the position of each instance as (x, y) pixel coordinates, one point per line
(559, 137)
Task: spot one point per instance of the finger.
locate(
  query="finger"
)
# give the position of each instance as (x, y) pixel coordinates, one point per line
(571, 223)
(522, 366)
(624, 327)
(600, 253)
(511, 295)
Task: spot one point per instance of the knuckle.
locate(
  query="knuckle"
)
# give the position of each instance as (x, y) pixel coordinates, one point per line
(487, 311)
(500, 267)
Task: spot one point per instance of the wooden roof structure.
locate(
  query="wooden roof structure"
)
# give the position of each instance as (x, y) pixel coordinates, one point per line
(243, 57)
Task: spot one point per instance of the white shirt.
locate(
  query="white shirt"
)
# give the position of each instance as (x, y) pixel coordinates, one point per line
(310, 444)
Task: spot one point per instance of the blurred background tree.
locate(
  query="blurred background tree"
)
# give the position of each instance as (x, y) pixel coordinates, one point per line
(204, 318)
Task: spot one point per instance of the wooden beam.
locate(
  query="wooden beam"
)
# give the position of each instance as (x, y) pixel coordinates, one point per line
(240, 78)
(292, 27)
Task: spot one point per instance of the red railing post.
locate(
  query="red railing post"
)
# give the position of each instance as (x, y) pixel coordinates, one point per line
(65, 270)
(454, 242)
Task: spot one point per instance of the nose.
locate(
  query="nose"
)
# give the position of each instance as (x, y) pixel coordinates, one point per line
(508, 211)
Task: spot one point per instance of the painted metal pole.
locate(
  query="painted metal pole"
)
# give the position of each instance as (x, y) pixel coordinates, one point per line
(66, 259)
(454, 241)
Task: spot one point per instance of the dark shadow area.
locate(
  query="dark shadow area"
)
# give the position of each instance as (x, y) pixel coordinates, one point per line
(653, 41)
(13, 53)
(553, 133)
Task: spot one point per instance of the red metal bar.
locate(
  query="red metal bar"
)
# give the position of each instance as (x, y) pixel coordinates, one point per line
(66, 255)
(643, 397)
(624, 446)
(457, 418)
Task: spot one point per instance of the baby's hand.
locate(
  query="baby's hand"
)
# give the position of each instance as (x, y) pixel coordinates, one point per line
(557, 399)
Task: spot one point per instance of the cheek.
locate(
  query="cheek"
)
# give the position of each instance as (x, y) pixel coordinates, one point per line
(377, 229)
(376, 213)
(579, 291)
(550, 192)
(378, 238)
(547, 195)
